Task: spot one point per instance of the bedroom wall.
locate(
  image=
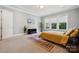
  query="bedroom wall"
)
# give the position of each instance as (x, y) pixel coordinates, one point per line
(72, 17)
(78, 17)
(20, 20)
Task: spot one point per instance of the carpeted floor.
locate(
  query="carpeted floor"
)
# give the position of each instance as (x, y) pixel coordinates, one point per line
(24, 44)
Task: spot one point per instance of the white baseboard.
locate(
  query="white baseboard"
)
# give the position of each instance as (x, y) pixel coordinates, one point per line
(18, 34)
(14, 35)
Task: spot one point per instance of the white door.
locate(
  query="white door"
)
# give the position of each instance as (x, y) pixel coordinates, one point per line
(0, 24)
(7, 23)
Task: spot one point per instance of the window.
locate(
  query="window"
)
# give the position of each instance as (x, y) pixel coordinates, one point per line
(57, 23)
(54, 25)
(47, 25)
(62, 25)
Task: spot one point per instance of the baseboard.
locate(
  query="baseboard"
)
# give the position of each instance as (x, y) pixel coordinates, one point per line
(18, 34)
(14, 35)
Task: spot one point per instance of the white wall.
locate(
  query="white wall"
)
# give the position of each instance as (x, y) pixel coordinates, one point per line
(78, 17)
(20, 20)
(72, 17)
(7, 23)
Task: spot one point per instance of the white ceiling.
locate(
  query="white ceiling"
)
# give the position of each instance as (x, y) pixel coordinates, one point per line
(49, 9)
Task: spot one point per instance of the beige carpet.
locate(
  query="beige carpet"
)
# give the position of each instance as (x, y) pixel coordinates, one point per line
(24, 44)
(44, 44)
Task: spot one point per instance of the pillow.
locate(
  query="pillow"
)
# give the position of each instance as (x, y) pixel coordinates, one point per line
(67, 33)
(75, 33)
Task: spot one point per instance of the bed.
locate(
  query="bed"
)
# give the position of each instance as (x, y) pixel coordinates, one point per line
(56, 37)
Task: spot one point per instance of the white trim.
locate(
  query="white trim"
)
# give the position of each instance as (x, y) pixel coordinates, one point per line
(18, 9)
(14, 35)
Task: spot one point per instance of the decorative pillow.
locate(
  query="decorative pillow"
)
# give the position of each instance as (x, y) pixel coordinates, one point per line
(75, 33)
(67, 33)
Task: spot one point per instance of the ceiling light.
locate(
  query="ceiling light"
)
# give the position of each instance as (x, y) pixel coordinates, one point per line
(41, 6)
